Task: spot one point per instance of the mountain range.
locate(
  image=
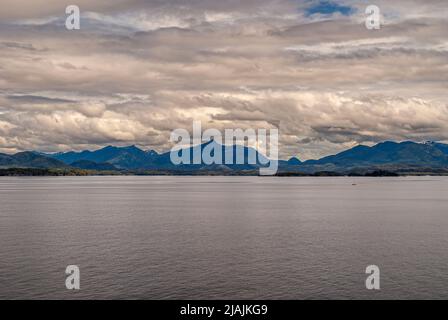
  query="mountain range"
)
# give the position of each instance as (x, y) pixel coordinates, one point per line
(392, 156)
(387, 155)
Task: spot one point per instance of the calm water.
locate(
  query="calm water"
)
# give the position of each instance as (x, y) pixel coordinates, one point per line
(223, 237)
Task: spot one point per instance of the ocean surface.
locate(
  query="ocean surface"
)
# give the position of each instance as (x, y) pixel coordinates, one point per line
(223, 237)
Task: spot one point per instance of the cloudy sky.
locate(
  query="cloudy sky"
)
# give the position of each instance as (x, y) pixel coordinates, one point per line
(137, 69)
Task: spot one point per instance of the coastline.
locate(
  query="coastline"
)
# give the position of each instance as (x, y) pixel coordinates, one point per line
(63, 172)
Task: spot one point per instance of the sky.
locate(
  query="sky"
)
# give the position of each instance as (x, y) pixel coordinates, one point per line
(138, 69)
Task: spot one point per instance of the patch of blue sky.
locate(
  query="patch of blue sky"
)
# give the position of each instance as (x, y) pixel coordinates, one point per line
(325, 7)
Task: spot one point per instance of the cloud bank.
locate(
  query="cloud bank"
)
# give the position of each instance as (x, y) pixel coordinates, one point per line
(139, 69)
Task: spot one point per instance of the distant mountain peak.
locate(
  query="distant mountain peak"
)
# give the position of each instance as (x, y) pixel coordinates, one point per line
(133, 147)
(128, 157)
(30, 159)
(294, 161)
(151, 152)
(388, 153)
